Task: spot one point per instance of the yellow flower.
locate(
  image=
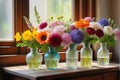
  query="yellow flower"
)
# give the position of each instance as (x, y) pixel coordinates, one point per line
(17, 36)
(43, 37)
(34, 33)
(27, 35)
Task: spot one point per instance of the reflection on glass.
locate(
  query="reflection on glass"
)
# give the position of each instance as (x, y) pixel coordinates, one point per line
(6, 20)
(51, 8)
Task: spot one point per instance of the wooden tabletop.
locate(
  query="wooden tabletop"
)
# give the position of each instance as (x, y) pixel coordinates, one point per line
(42, 73)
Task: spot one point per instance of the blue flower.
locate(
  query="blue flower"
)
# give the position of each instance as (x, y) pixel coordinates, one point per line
(77, 36)
(103, 22)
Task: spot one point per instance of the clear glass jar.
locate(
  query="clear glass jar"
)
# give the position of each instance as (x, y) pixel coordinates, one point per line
(34, 59)
(103, 54)
(72, 57)
(51, 58)
(86, 56)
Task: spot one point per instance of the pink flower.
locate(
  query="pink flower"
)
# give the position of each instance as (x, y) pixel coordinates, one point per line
(54, 24)
(43, 25)
(88, 18)
(99, 33)
(66, 39)
(117, 34)
(59, 29)
(90, 31)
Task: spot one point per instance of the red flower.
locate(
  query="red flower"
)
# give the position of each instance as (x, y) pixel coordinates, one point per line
(90, 31)
(99, 33)
(43, 25)
(55, 40)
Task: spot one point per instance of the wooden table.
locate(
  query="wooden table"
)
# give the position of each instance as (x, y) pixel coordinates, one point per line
(96, 72)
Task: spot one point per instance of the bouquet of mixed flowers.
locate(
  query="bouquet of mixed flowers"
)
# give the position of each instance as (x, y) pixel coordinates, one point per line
(103, 30)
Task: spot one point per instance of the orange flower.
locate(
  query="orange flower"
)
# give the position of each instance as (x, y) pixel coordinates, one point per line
(82, 23)
(43, 37)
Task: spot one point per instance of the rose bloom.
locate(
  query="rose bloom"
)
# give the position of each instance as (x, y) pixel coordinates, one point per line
(90, 31)
(108, 30)
(117, 34)
(82, 23)
(96, 25)
(88, 18)
(99, 33)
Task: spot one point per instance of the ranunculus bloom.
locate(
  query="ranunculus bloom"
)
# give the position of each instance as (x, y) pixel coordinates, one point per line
(43, 25)
(77, 36)
(99, 33)
(43, 37)
(108, 30)
(88, 18)
(59, 29)
(82, 23)
(103, 22)
(117, 34)
(90, 31)
(66, 39)
(17, 36)
(96, 25)
(55, 40)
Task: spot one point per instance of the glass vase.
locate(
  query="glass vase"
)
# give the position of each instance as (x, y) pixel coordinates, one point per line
(51, 58)
(86, 56)
(103, 54)
(72, 57)
(34, 59)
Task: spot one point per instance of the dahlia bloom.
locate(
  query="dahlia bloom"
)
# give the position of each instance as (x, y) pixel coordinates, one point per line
(108, 30)
(59, 29)
(66, 39)
(77, 36)
(55, 40)
(104, 22)
(117, 33)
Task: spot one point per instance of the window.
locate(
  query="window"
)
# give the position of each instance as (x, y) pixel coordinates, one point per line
(6, 20)
(9, 53)
(50, 8)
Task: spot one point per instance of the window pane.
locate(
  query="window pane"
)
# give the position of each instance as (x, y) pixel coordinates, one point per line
(6, 20)
(51, 8)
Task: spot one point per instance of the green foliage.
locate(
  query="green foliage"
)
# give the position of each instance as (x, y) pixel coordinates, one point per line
(37, 15)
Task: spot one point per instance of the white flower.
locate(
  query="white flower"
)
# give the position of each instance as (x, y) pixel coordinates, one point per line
(95, 25)
(108, 30)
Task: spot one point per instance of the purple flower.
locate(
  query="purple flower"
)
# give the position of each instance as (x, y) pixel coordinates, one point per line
(88, 18)
(43, 25)
(77, 36)
(103, 22)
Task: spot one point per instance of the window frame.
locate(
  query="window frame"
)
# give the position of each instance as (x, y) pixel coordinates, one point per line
(12, 55)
